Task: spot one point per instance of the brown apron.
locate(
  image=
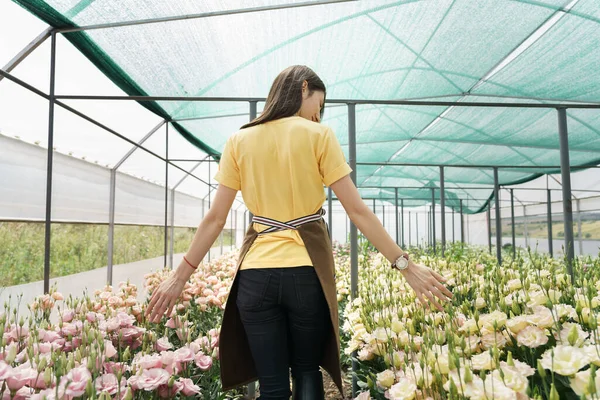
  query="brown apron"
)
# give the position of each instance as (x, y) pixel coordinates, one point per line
(237, 365)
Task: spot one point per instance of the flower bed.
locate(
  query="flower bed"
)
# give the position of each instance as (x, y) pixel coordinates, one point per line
(517, 331)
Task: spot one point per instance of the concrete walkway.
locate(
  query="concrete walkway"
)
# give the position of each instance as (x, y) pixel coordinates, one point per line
(76, 284)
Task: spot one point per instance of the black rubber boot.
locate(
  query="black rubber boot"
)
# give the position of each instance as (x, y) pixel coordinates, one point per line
(308, 386)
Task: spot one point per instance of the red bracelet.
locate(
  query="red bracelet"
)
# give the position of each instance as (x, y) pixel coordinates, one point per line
(190, 264)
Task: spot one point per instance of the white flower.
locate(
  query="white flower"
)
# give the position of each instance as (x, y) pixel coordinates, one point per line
(523, 368)
(422, 379)
(487, 320)
(495, 338)
(512, 378)
(403, 390)
(492, 388)
(386, 378)
(480, 303)
(580, 384)
(593, 352)
(514, 284)
(542, 317)
(532, 337)
(536, 298)
(563, 336)
(567, 360)
(365, 354)
(483, 361)
(564, 310)
(517, 324)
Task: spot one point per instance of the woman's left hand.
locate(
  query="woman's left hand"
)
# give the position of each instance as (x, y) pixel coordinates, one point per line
(164, 298)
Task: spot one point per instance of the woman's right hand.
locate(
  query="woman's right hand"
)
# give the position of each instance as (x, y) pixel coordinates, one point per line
(427, 283)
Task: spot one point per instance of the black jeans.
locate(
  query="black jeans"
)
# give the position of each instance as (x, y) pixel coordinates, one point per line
(286, 319)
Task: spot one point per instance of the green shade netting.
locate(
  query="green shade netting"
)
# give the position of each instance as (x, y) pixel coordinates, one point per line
(486, 51)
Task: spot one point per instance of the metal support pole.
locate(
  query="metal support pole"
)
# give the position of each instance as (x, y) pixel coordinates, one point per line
(429, 227)
(433, 219)
(512, 222)
(498, 220)
(111, 226)
(489, 226)
(453, 219)
(397, 216)
(48, 224)
(579, 227)
(353, 230)
(166, 190)
(374, 209)
(549, 221)
(416, 226)
(330, 217)
(462, 223)
(172, 239)
(566, 189)
(443, 209)
(402, 222)
(525, 226)
(409, 233)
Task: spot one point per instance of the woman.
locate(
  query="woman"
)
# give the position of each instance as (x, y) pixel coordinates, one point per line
(282, 309)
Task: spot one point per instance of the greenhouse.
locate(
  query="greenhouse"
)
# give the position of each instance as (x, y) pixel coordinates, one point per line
(473, 132)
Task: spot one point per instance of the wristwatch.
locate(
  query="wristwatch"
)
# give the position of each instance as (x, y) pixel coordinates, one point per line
(401, 262)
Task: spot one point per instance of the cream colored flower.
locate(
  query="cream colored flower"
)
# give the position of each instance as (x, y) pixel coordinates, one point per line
(363, 396)
(517, 324)
(469, 327)
(480, 303)
(580, 383)
(562, 337)
(397, 326)
(487, 320)
(386, 378)
(512, 378)
(593, 352)
(492, 388)
(532, 337)
(495, 338)
(422, 378)
(403, 390)
(541, 317)
(483, 361)
(537, 298)
(564, 310)
(366, 354)
(523, 368)
(567, 360)
(514, 284)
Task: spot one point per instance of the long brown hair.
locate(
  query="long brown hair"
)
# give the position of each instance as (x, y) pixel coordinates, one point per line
(285, 96)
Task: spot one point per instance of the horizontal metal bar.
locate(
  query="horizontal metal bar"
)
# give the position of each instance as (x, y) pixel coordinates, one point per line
(338, 101)
(201, 15)
(93, 121)
(491, 166)
(469, 188)
(210, 117)
(191, 160)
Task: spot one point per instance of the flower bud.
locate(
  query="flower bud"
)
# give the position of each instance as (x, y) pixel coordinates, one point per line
(48, 377)
(42, 364)
(553, 393)
(573, 335)
(89, 389)
(126, 354)
(12, 354)
(509, 359)
(541, 370)
(171, 381)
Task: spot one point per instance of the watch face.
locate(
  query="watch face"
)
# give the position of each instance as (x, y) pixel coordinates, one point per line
(402, 263)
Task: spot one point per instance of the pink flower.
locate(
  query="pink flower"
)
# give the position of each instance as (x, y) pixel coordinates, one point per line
(163, 344)
(5, 370)
(125, 320)
(57, 296)
(189, 388)
(22, 394)
(49, 336)
(129, 334)
(151, 379)
(48, 394)
(168, 362)
(68, 315)
(72, 328)
(112, 367)
(74, 383)
(91, 316)
(184, 355)
(20, 376)
(16, 332)
(109, 349)
(203, 362)
(150, 361)
(109, 383)
(166, 392)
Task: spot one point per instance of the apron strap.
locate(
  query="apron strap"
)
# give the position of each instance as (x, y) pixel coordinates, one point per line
(277, 226)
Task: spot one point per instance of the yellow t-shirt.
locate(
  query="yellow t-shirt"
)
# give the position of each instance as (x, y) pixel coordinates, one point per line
(281, 167)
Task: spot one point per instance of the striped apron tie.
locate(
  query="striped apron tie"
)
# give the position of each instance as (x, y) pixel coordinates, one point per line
(277, 226)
